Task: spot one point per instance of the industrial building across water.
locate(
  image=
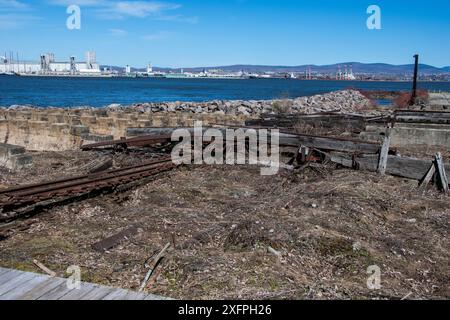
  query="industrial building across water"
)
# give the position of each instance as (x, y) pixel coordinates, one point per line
(48, 65)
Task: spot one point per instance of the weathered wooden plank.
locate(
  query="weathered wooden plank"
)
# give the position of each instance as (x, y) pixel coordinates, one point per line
(25, 287)
(31, 286)
(288, 139)
(384, 153)
(9, 274)
(329, 143)
(118, 294)
(423, 114)
(77, 294)
(114, 240)
(3, 271)
(57, 292)
(135, 132)
(15, 282)
(131, 295)
(426, 180)
(441, 172)
(155, 297)
(43, 288)
(397, 166)
(8, 277)
(353, 122)
(98, 293)
(122, 294)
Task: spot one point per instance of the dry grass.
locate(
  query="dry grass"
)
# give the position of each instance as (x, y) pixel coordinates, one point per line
(328, 225)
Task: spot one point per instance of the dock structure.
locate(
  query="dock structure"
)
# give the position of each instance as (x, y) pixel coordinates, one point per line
(19, 285)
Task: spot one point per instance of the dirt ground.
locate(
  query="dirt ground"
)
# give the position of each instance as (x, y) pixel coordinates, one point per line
(325, 227)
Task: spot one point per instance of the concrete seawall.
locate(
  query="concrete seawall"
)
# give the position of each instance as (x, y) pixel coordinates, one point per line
(65, 129)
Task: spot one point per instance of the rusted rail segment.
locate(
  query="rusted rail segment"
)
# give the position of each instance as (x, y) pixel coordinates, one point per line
(15, 198)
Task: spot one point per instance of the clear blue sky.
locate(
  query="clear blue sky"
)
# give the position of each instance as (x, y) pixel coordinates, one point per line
(222, 32)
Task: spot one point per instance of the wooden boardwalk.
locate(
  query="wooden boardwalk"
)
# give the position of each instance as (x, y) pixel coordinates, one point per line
(19, 285)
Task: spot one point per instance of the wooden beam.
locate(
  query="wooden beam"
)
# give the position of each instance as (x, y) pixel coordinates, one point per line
(287, 139)
(114, 240)
(384, 153)
(426, 180)
(441, 172)
(329, 143)
(404, 167)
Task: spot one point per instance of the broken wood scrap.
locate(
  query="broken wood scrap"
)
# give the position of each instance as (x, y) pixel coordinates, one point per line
(114, 240)
(44, 268)
(101, 166)
(98, 165)
(426, 180)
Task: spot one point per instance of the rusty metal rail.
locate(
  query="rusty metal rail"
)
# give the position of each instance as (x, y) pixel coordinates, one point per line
(15, 198)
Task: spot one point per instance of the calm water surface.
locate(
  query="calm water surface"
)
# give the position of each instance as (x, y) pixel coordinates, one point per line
(97, 92)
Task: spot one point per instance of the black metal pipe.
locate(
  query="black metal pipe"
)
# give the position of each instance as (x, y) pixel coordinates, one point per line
(414, 90)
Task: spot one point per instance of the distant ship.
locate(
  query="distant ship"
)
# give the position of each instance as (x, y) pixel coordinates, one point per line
(176, 76)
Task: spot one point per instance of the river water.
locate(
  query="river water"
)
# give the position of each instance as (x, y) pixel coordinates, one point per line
(98, 92)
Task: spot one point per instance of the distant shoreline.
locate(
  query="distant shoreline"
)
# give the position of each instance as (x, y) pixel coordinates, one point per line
(210, 78)
(100, 92)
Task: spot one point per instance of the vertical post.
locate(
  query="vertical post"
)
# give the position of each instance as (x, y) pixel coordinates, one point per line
(416, 71)
(384, 153)
(441, 172)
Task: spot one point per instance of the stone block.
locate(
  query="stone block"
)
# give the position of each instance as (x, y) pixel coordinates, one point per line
(79, 130)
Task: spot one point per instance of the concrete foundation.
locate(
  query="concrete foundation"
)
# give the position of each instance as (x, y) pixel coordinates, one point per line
(404, 134)
(67, 129)
(14, 157)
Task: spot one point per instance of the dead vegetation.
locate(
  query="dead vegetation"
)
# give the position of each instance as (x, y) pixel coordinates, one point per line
(307, 234)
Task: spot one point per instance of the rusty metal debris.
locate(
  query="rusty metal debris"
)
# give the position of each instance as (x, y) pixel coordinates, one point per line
(16, 198)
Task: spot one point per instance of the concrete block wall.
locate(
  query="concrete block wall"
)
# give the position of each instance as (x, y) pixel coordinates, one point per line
(66, 129)
(404, 134)
(14, 157)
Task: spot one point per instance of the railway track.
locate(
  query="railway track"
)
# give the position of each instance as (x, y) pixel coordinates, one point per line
(19, 197)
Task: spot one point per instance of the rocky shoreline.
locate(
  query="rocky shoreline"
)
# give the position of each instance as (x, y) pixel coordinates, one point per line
(346, 101)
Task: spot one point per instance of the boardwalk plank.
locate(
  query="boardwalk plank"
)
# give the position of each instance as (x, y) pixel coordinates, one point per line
(25, 287)
(155, 297)
(118, 294)
(42, 289)
(2, 271)
(98, 293)
(11, 274)
(77, 294)
(131, 295)
(56, 292)
(15, 282)
(19, 285)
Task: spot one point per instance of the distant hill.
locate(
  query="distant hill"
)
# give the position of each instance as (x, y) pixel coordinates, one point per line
(360, 68)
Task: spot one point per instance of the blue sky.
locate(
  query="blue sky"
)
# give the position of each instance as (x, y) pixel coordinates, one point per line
(188, 33)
